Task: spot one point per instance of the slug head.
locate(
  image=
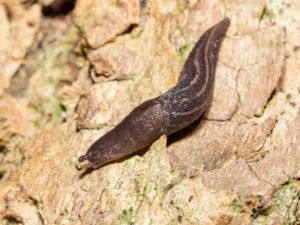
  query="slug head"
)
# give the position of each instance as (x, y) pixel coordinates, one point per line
(92, 163)
(95, 158)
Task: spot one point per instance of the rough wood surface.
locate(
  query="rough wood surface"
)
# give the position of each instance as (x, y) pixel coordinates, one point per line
(66, 80)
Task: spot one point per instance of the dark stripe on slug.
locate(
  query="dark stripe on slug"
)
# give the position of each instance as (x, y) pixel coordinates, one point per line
(168, 113)
(194, 89)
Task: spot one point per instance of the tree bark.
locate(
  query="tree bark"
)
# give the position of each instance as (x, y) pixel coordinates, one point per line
(68, 78)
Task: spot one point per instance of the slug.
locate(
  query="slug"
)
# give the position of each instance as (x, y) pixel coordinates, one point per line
(175, 109)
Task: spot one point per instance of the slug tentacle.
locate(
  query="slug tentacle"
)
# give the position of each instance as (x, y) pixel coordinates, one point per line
(168, 113)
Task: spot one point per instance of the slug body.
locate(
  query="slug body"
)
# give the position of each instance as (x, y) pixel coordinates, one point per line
(177, 108)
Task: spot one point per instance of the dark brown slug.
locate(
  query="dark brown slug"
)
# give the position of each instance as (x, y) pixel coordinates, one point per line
(177, 108)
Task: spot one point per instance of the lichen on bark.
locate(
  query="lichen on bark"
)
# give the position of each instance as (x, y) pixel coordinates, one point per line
(68, 79)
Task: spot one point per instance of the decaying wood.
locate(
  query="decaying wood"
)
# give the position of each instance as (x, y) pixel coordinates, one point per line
(68, 79)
